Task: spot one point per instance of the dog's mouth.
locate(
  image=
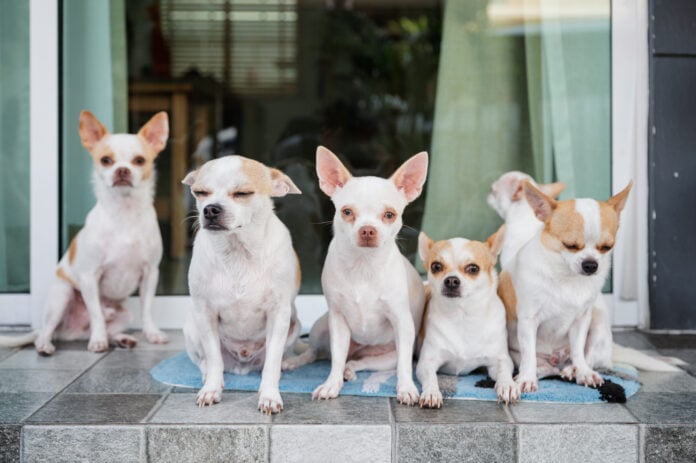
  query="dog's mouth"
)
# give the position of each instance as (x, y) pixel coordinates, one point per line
(214, 226)
(122, 182)
(451, 292)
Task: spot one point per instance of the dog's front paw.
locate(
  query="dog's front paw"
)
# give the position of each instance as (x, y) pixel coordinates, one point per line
(527, 383)
(208, 396)
(155, 336)
(44, 346)
(431, 398)
(407, 394)
(328, 390)
(508, 391)
(97, 344)
(270, 401)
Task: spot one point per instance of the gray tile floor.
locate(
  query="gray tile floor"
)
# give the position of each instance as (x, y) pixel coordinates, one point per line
(79, 406)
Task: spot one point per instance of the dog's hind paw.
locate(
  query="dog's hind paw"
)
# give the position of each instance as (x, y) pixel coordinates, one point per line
(44, 347)
(155, 336)
(125, 341)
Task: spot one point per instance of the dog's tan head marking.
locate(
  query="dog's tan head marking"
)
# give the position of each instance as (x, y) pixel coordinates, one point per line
(231, 191)
(458, 267)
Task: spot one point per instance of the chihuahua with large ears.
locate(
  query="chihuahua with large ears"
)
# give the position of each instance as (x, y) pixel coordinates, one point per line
(464, 322)
(243, 278)
(551, 286)
(116, 252)
(374, 293)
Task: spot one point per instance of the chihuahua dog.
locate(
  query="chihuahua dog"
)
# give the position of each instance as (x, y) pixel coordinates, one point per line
(507, 199)
(118, 249)
(551, 287)
(243, 278)
(521, 225)
(374, 293)
(464, 322)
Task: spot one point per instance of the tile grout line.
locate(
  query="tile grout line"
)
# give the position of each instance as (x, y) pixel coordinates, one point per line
(641, 442)
(394, 431)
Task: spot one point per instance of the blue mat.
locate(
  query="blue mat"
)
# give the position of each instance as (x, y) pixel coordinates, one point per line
(178, 370)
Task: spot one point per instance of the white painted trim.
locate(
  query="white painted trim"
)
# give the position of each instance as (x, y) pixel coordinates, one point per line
(629, 159)
(14, 309)
(43, 107)
(170, 311)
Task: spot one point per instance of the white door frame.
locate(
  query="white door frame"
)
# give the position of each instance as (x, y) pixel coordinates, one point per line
(629, 160)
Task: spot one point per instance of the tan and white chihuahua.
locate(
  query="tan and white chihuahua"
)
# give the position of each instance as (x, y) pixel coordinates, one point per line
(464, 322)
(116, 252)
(374, 293)
(554, 281)
(243, 278)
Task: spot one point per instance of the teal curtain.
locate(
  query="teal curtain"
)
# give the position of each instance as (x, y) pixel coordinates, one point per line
(523, 85)
(14, 146)
(94, 78)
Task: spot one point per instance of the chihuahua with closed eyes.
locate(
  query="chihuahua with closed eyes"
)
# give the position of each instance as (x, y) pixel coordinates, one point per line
(116, 252)
(375, 295)
(551, 287)
(464, 322)
(243, 278)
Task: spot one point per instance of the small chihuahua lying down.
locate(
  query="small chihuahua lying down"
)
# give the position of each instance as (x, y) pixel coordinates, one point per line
(464, 322)
(375, 295)
(116, 252)
(551, 287)
(243, 278)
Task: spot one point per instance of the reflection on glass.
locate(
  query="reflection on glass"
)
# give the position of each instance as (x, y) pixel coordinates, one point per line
(14, 147)
(271, 80)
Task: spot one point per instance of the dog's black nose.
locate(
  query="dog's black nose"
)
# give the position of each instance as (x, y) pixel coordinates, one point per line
(212, 211)
(589, 266)
(452, 282)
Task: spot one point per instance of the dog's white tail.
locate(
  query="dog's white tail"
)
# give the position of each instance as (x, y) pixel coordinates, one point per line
(19, 340)
(643, 361)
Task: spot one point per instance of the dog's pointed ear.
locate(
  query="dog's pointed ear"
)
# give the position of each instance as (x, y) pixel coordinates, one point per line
(190, 178)
(331, 171)
(541, 204)
(156, 131)
(618, 201)
(553, 189)
(425, 244)
(282, 185)
(91, 130)
(496, 240)
(410, 177)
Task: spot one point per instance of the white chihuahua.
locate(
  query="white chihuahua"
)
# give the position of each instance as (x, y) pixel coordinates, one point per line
(464, 322)
(243, 278)
(551, 287)
(375, 295)
(118, 250)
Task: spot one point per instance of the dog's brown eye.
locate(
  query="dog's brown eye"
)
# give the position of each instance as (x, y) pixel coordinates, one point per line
(138, 161)
(106, 161)
(472, 269)
(201, 193)
(347, 212)
(571, 247)
(242, 194)
(605, 248)
(389, 215)
(436, 267)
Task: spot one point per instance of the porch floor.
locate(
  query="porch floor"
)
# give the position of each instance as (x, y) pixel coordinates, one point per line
(80, 406)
